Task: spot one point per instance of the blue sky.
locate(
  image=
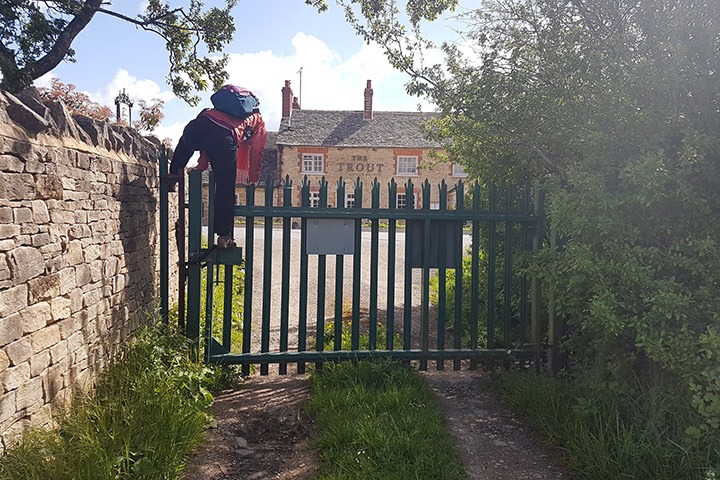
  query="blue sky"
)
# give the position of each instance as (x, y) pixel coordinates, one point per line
(274, 38)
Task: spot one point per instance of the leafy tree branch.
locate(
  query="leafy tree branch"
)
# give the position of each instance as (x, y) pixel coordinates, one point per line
(37, 36)
(380, 22)
(616, 105)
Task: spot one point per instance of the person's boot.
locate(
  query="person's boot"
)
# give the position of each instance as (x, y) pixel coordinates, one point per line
(225, 242)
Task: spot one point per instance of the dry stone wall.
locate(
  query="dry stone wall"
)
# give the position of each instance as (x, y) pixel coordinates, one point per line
(79, 252)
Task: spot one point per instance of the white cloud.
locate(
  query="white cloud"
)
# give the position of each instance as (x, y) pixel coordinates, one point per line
(44, 81)
(137, 89)
(368, 63)
(329, 82)
(312, 50)
(172, 131)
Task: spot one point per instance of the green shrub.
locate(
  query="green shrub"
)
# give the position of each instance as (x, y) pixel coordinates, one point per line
(618, 115)
(466, 308)
(482, 287)
(637, 276)
(606, 435)
(147, 412)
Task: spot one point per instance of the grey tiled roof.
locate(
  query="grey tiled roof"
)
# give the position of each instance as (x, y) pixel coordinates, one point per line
(349, 129)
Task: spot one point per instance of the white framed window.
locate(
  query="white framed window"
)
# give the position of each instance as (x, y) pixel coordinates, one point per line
(312, 163)
(349, 200)
(458, 171)
(401, 201)
(434, 206)
(314, 199)
(407, 165)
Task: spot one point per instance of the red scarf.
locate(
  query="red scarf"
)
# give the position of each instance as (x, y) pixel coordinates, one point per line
(250, 137)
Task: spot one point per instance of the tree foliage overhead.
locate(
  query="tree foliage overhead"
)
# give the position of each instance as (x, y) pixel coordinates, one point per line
(37, 35)
(534, 78)
(616, 105)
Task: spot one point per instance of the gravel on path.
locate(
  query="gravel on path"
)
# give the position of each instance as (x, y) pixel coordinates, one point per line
(263, 433)
(491, 441)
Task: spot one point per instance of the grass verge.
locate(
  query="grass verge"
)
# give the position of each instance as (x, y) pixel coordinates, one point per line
(147, 412)
(609, 436)
(379, 420)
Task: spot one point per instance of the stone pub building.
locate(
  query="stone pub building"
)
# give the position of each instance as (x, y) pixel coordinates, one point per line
(351, 144)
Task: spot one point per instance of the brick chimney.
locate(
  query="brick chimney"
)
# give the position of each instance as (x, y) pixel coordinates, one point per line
(295, 105)
(287, 97)
(368, 111)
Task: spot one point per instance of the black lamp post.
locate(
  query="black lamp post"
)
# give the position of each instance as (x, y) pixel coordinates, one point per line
(123, 98)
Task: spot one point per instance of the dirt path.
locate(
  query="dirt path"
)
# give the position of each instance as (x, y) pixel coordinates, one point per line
(262, 432)
(490, 440)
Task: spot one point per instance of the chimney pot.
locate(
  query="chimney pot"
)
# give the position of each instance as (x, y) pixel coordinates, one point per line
(287, 96)
(368, 111)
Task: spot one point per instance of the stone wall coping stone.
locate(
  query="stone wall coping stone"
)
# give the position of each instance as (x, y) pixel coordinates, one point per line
(121, 149)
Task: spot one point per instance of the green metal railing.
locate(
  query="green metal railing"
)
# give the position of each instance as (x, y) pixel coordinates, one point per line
(498, 320)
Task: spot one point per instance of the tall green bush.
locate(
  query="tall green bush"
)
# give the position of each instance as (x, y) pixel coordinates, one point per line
(637, 276)
(615, 105)
(146, 414)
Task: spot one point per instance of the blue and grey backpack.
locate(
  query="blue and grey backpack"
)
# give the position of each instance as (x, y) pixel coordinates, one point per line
(236, 101)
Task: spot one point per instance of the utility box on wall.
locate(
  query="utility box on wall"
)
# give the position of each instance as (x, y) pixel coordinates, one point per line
(449, 229)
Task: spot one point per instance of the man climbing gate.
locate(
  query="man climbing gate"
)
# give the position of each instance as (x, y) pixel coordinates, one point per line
(231, 138)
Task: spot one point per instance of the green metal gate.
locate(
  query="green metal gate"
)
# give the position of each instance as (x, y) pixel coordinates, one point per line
(454, 319)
